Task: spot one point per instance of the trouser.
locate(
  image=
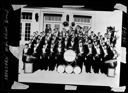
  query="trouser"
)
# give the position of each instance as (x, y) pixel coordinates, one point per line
(96, 65)
(104, 66)
(80, 62)
(36, 64)
(89, 63)
(60, 60)
(44, 63)
(52, 64)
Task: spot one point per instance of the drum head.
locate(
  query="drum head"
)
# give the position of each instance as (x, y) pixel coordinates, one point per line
(60, 68)
(69, 56)
(77, 70)
(69, 69)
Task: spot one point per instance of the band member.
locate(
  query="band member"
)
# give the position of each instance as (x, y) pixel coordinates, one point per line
(112, 35)
(36, 55)
(66, 44)
(105, 36)
(52, 61)
(115, 54)
(76, 40)
(91, 35)
(44, 57)
(48, 37)
(98, 35)
(42, 39)
(113, 40)
(80, 56)
(63, 31)
(98, 58)
(72, 43)
(59, 55)
(56, 32)
(105, 58)
(90, 57)
(86, 51)
(108, 42)
(95, 38)
(36, 47)
(102, 40)
(31, 47)
(34, 36)
(77, 30)
(25, 52)
(48, 28)
(42, 34)
(113, 61)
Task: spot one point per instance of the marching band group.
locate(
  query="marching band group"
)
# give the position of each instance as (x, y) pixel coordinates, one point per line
(92, 49)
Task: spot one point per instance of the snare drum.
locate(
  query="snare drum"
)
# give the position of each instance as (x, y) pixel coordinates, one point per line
(69, 56)
(77, 70)
(60, 69)
(69, 69)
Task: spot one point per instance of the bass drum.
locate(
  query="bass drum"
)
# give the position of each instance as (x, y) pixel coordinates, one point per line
(60, 69)
(77, 70)
(69, 69)
(69, 56)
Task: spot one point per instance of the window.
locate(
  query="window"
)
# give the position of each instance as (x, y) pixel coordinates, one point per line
(26, 15)
(27, 31)
(82, 19)
(57, 26)
(52, 17)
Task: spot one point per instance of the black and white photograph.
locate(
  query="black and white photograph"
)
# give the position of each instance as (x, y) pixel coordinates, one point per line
(63, 46)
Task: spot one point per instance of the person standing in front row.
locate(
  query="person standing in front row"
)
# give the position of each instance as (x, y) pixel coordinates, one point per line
(90, 57)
